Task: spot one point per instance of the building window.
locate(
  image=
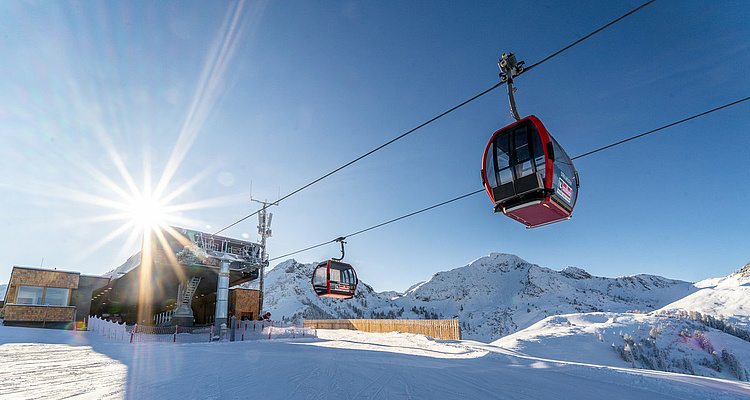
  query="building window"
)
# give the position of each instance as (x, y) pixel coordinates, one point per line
(42, 296)
(56, 296)
(30, 295)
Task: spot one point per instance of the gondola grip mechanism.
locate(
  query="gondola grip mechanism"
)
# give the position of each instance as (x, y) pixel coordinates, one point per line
(340, 240)
(510, 68)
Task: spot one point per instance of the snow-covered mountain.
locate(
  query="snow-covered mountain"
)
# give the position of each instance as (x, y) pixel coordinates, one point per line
(288, 294)
(493, 296)
(726, 297)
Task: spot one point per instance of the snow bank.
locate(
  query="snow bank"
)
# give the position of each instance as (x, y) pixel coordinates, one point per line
(658, 342)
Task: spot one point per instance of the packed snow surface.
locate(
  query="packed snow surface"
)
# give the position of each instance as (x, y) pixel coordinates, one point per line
(41, 364)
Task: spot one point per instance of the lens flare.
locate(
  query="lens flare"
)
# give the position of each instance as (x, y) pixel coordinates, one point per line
(148, 212)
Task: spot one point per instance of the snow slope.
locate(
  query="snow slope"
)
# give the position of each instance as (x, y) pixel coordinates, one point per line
(657, 342)
(47, 364)
(3, 288)
(726, 297)
(493, 296)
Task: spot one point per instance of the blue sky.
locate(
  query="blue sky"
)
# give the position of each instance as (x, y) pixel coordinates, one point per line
(280, 93)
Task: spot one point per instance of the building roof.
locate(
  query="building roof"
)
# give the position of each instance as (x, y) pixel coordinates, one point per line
(53, 269)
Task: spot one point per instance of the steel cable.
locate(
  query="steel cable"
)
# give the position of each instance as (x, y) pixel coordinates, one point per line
(434, 118)
(482, 190)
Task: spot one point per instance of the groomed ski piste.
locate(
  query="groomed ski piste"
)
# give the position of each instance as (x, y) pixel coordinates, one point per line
(53, 364)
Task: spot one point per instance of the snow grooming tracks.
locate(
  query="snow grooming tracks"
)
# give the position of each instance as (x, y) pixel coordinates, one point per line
(54, 371)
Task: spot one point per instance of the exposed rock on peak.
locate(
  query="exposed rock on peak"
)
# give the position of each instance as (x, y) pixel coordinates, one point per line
(575, 273)
(742, 274)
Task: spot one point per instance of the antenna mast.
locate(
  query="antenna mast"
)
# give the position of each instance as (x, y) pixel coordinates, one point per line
(264, 230)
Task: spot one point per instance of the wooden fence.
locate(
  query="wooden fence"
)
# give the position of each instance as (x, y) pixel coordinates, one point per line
(445, 329)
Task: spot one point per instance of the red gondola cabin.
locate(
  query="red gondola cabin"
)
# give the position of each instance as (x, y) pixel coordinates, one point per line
(334, 279)
(528, 175)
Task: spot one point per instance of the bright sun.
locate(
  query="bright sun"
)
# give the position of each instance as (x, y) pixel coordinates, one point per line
(147, 212)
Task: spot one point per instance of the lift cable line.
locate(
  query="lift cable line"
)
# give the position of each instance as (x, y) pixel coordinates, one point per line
(379, 225)
(483, 189)
(663, 127)
(367, 154)
(590, 34)
(434, 118)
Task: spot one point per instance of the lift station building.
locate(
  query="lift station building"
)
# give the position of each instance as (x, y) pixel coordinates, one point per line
(186, 277)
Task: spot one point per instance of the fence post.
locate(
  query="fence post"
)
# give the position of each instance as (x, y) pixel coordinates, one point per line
(133, 333)
(270, 328)
(211, 335)
(244, 326)
(174, 340)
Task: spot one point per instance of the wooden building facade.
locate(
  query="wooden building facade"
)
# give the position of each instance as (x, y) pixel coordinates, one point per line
(48, 297)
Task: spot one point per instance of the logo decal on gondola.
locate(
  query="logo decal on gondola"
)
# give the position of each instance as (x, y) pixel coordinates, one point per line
(343, 287)
(564, 189)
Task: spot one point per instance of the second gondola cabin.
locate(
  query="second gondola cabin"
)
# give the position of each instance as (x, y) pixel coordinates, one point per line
(334, 279)
(528, 175)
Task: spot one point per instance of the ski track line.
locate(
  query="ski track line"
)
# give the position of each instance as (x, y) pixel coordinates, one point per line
(380, 388)
(371, 383)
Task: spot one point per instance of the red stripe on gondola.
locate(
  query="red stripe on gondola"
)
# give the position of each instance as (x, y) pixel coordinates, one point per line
(549, 164)
(328, 277)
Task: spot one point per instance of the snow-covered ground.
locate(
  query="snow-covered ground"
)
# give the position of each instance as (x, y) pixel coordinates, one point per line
(37, 363)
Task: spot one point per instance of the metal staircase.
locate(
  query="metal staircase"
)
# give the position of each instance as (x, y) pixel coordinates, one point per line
(190, 289)
(183, 313)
